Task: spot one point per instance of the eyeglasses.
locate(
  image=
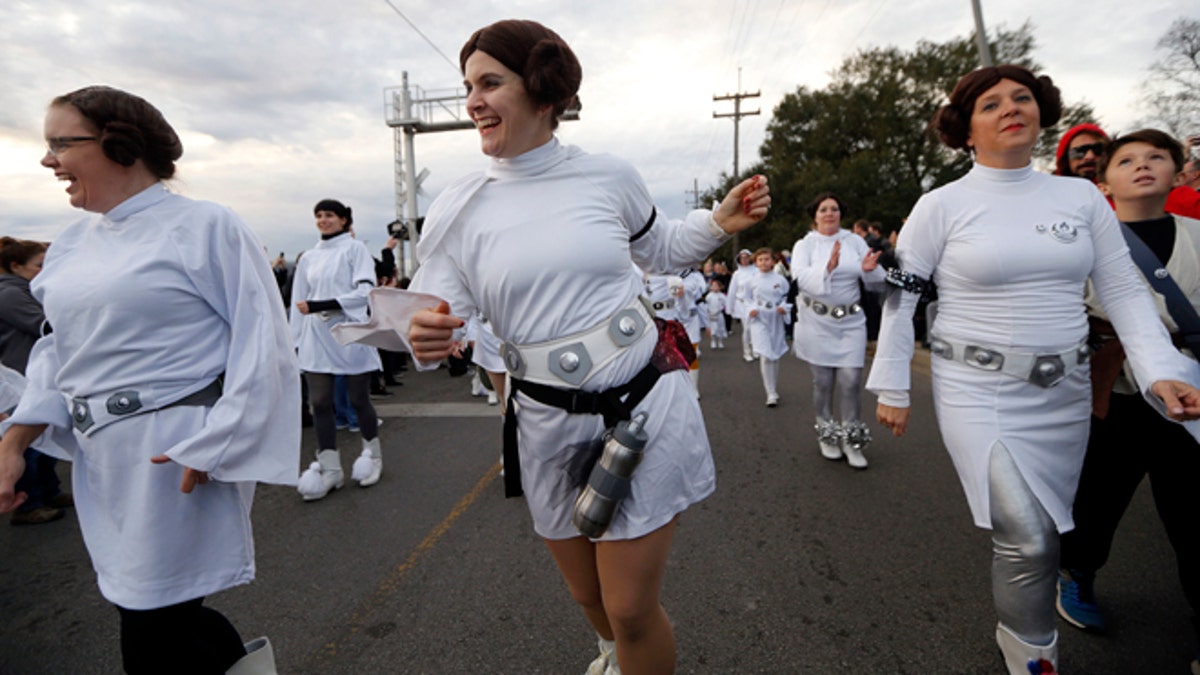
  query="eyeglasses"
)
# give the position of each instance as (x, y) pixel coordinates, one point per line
(1081, 151)
(57, 144)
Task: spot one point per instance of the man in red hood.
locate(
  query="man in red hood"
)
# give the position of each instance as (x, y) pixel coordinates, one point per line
(1079, 152)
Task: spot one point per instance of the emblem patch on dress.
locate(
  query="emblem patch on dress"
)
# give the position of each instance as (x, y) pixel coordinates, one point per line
(1063, 232)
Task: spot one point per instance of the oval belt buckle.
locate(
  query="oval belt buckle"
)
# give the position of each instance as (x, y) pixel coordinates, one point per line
(983, 358)
(513, 361)
(820, 308)
(1048, 371)
(838, 312)
(939, 347)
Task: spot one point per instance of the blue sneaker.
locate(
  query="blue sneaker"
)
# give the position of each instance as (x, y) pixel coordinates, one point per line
(1077, 600)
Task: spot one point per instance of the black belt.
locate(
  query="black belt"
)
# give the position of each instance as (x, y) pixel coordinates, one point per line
(607, 403)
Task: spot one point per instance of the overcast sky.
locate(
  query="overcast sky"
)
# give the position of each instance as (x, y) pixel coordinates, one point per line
(280, 104)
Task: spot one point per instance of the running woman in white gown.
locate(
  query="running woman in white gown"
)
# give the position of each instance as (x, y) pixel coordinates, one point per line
(169, 380)
(1010, 250)
(541, 243)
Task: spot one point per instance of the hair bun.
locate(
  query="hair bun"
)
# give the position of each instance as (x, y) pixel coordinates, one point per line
(122, 142)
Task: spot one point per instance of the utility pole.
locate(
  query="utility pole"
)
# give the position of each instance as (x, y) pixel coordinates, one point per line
(985, 54)
(737, 115)
(694, 202)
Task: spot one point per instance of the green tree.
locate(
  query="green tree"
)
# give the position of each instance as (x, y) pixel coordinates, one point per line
(866, 135)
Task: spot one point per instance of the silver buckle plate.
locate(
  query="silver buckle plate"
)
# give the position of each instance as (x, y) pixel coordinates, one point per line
(983, 358)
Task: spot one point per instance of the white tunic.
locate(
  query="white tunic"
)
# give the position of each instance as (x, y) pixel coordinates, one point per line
(738, 295)
(821, 339)
(665, 293)
(693, 290)
(715, 304)
(339, 269)
(541, 245)
(1010, 251)
(768, 293)
(161, 295)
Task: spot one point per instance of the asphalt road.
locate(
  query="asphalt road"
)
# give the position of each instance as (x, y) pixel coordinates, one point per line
(796, 564)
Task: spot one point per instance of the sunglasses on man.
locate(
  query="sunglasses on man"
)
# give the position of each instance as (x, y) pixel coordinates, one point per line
(1081, 151)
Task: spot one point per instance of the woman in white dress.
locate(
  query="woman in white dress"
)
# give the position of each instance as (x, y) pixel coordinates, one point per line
(541, 242)
(1010, 250)
(330, 287)
(169, 380)
(831, 328)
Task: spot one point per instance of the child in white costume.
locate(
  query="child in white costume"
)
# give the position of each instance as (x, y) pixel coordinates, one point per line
(1010, 250)
(168, 378)
(767, 314)
(716, 304)
(541, 243)
(739, 299)
(831, 331)
(330, 287)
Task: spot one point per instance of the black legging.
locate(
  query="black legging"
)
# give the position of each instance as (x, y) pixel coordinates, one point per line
(320, 394)
(187, 638)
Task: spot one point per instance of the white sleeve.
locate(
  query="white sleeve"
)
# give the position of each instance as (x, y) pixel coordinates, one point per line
(918, 249)
(812, 276)
(252, 432)
(362, 269)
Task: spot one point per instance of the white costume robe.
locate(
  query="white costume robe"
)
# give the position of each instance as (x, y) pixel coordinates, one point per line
(339, 269)
(1010, 251)
(738, 291)
(693, 290)
(665, 293)
(541, 245)
(714, 303)
(768, 293)
(161, 295)
(821, 339)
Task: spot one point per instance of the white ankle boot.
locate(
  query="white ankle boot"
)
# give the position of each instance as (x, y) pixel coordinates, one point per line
(259, 659)
(369, 466)
(322, 476)
(856, 436)
(829, 437)
(1022, 658)
(608, 656)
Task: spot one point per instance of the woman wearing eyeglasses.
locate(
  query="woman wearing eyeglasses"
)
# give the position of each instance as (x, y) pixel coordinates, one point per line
(169, 376)
(1010, 250)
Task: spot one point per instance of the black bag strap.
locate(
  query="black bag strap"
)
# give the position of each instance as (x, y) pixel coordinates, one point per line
(1178, 305)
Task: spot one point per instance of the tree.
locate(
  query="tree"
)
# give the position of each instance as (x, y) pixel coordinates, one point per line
(866, 135)
(1172, 91)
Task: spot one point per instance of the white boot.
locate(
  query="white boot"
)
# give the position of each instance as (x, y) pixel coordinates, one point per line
(477, 388)
(608, 655)
(1022, 658)
(695, 374)
(259, 659)
(829, 437)
(369, 466)
(323, 475)
(856, 436)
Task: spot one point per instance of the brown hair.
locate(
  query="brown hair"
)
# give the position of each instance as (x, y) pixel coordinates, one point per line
(816, 204)
(18, 252)
(952, 122)
(547, 66)
(765, 250)
(129, 128)
(1152, 137)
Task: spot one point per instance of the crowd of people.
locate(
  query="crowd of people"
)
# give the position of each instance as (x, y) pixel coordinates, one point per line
(174, 380)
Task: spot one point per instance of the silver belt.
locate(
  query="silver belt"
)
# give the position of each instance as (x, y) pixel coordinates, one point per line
(569, 360)
(766, 305)
(1044, 370)
(665, 304)
(91, 413)
(838, 312)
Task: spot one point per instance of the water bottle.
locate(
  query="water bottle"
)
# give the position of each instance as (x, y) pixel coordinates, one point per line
(609, 482)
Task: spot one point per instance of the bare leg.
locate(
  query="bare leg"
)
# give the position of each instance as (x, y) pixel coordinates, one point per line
(576, 559)
(631, 575)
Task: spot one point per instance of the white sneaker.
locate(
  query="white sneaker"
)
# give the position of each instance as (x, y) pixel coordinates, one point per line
(772, 400)
(608, 656)
(492, 398)
(369, 466)
(322, 476)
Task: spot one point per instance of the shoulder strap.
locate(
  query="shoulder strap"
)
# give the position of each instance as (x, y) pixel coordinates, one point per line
(1160, 280)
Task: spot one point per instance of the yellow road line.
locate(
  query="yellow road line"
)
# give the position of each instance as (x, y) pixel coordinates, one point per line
(359, 618)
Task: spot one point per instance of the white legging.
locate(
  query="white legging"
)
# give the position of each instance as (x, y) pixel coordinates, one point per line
(770, 374)
(1024, 552)
(849, 385)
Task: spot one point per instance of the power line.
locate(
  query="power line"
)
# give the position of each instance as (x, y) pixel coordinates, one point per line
(423, 36)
